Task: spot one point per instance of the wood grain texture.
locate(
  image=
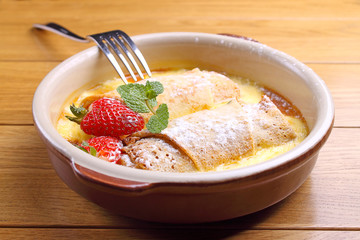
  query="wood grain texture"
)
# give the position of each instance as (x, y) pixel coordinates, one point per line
(158, 234)
(327, 41)
(313, 31)
(246, 9)
(344, 85)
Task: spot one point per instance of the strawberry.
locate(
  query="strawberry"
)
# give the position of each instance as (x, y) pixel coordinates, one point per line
(107, 117)
(104, 147)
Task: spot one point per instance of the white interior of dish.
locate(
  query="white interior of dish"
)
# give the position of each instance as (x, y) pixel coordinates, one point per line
(256, 61)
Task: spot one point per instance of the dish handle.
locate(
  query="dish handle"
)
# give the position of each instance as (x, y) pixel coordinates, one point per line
(89, 176)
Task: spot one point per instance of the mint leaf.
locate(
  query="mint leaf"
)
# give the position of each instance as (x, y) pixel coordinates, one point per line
(137, 105)
(142, 99)
(134, 97)
(138, 91)
(157, 87)
(153, 89)
(132, 91)
(160, 120)
(163, 112)
(150, 94)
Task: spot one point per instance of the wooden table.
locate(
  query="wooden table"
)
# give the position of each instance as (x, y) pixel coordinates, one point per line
(324, 34)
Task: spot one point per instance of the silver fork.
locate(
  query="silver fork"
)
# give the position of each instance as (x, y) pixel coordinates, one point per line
(113, 41)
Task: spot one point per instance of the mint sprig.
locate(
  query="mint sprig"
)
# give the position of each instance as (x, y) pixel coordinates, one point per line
(142, 99)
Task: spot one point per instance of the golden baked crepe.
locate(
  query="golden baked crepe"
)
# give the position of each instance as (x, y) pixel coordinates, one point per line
(268, 124)
(157, 154)
(195, 90)
(203, 140)
(186, 93)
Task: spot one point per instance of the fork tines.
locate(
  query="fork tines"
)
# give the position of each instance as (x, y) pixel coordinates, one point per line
(121, 44)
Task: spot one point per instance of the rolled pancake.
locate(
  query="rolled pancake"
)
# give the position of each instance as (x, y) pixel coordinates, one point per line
(195, 90)
(268, 124)
(188, 92)
(206, 139)
(157, 154)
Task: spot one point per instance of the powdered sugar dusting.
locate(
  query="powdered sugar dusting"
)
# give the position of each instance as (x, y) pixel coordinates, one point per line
(213, 137)
(208, 137)
(203, 135)
(157, 154)
(126, 161)
(188, 83)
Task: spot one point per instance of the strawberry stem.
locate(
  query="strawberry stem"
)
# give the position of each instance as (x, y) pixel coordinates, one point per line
(79, 113)
(74, 119)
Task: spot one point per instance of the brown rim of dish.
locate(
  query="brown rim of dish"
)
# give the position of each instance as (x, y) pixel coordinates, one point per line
(238, 36)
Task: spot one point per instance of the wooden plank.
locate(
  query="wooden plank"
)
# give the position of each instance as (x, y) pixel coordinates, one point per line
(325, 30)
(343, 82)
(330, 198)
(309, 40)
(183, 233)
(108, 9)
(19, 81)
(17, 87)
(32, 194)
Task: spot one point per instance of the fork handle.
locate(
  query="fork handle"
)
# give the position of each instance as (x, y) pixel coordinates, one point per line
(60, 30)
